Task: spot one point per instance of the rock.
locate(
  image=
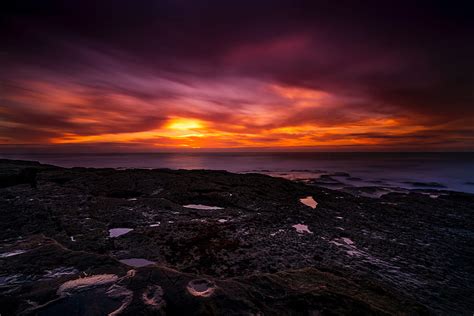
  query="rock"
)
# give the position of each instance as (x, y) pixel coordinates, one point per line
(426, 184)
(385, 255)
(25, 176)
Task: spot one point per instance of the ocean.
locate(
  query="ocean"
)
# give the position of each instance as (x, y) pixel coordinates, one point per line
(449, 171)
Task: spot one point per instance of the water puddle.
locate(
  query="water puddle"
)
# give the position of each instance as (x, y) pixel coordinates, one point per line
(120, 293)
(301, 229)
(201, 220)
(10, 280)
(115, 232)
(347, 241)
(12, 253)
(137, 262)
(153, 297)
(375, 192)
(94, 295)
(202, 207)
(309, 201)
(277, 232)
(59, 272)
(82, 283)
(334, 242)
(201, 287)
(432, 195)
(294, 175)
(222, 220)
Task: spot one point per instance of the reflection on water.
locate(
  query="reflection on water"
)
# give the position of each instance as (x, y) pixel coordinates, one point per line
(309, 201)
(201, 287)
(59, 272)
(92, 295)
(137, 262)
(301, 229)
(89, 281)
(153, 297)
(115, 232)
(12, 253)
(202, 207)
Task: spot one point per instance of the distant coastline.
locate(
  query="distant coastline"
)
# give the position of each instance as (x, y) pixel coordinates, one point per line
(447, 170)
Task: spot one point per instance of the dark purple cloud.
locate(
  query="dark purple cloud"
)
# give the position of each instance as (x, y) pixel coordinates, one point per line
(131, 66)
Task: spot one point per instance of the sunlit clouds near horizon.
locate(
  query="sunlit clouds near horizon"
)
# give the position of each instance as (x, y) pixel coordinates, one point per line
(183, 75)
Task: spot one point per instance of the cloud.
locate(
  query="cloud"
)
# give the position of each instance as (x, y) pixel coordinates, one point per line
(272, 73)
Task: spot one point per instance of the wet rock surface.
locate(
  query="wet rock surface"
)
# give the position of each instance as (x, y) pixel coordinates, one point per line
(404, 252)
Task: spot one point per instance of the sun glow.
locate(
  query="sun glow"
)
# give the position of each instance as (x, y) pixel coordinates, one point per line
(283, 116)
(184, 124)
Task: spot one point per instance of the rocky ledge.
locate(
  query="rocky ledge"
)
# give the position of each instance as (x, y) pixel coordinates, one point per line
(87, 241)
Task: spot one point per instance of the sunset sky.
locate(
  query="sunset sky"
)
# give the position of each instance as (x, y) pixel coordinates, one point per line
(247, 75)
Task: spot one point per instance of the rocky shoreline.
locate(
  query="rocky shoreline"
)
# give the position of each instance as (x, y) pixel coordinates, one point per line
(180, 242)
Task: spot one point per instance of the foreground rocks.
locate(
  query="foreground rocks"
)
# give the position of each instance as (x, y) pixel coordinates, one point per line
(212, 242)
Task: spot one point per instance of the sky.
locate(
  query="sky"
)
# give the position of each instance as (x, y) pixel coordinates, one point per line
(236, 75)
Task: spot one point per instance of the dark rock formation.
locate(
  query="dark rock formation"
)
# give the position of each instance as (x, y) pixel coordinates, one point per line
(402, 253)
(26, 175)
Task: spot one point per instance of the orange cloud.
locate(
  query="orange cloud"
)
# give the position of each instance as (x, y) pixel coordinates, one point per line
(296, 93)
(206, 114)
